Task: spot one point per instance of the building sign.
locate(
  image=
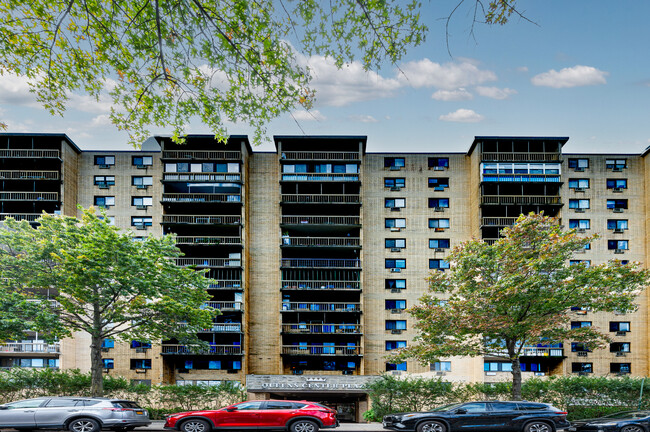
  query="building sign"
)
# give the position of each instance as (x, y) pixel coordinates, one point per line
(307, 383)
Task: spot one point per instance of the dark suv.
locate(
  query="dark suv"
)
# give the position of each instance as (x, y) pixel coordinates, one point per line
(497, 416)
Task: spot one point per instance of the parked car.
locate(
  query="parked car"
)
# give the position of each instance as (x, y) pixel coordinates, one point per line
(497, 416)
(77, 414)
(626, 421)
(294, 416)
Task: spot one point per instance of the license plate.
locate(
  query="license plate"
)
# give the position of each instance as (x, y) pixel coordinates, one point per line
(139, 412)
(571, 429)
(384, 424)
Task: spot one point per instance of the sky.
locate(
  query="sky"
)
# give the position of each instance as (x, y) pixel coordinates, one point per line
(581, 69)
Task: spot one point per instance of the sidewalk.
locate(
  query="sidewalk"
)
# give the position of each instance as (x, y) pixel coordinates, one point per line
(157, 425)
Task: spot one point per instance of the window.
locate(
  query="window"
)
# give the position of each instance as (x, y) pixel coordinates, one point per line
(580, 324)
(272, 405)
(438, 264)
(395, 222)
(615, 164)
(108, 343)
(579, 223)
(582, 368)
(253, 405)
(141, 201)
(391, 345)
(619, 347)
(475, 407)
(619, 326)
(438, 243)
(138, 344)
(30, 403)
(142, 160)
(60, 403)
(395, 202)
(497, 366)
(438, 183)
(440, 224)
(395, 243)
(104, 161)
(105, 201)
(395, 283)
(395, 324)
(620, 368)
(141, 181)
(108, 363)
(616, 204)
(579, 347)
(578, 183)
(394, 182)
(395, 304)
(395, 367)
(586, 263)
(617, 244)
(579, 204)
(393, 163)
(617, 224)
(438, 202)
(104, 181)
(616, 183)
(438, 163)
(440, 366)
(138, 221)
(395, 263)
(579, 164)
(140, 363)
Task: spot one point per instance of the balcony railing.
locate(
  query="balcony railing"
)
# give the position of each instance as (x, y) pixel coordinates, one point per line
(521, 178)
(228, 284)
(29, 347)
(208, 262)
(208, 155)
(521, 157)
(321, 177)
(30, 217)
(226, 328)
(199, 198)
(520, 199)
(321, 220)
(320, 262)
(202, 177)
(322, 328)
(498, 221)
(321, 241)
(208, 240)
(335, 350)
(213, 349)
(29, 175)
(201, 220)
(307, 155)
(29, 154)
(227, 306)
(321, 307)
(490, 241)
(320, 285)
(321, 199)
(542, 352)
(29, 196)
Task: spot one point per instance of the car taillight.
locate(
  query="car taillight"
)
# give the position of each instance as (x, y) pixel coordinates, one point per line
(561, 412)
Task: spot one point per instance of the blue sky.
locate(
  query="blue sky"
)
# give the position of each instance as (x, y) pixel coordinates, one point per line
(582, 71)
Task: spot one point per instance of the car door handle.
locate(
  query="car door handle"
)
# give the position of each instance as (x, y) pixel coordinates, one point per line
(29, 411)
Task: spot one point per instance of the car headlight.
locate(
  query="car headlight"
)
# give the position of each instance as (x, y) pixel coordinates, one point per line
(408, 416)
(603, 424)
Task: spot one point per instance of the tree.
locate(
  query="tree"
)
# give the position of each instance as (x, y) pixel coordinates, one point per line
(165, 62)
(518, 292)
(105, 282)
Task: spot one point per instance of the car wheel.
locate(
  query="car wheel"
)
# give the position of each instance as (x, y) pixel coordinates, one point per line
(538, 427)
(431, 426)
(195, 425)
(632, 428)
(83, 425)
(303, 426)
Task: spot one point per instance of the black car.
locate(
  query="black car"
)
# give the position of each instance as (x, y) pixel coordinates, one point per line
(626, 421)
(497, 416)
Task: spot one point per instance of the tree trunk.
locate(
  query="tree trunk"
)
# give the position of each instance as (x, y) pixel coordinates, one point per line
(96, 366)
(516, 379)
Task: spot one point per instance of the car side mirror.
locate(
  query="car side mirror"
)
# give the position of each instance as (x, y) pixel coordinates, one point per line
(461, 411)
(231, 409)
(3, 407)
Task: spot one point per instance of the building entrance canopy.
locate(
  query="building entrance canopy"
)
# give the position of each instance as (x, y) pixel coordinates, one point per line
(308, 383)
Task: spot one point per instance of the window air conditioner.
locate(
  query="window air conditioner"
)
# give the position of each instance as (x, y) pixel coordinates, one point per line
(579, 169)
(619, 231)
(619, 251)
(105, 349)
(347, 372)
(395, 188)
(103, 186)
(396, 372)
(395, 229)
(396, 311)
(234, 371)
(395, 249)
(439, 250)
(439, 209)
(621, 333)
(583, 373)
(440, 230)
(439, 188)
(104, 166)
(440, 373)
(617, 169)
(395, 290)
(394, 168)
(296, 372)
(140, 227)
(140, 371)
(620, 354)
(579, 189)
(617, 210)
(396, 270)
(579, 210)
(141, 166)
(438, 168)
(141, 207)
(582, 353)
(141, 186)
(581, 230)
(617, 190)
(395, 209)
(396, 331)
(141, 350)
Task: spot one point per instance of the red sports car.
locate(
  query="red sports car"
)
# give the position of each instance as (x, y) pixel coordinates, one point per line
(294, 416)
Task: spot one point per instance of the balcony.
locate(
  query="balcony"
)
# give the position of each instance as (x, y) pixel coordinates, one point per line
(228, 306)
(320, 285)
(321, 177)
(324, 156)
(226, 328)
(201, 220)
(321, 199)
(29, 348)
(207, 155)
(542, 352)
(208, 262)
(309, 350)
(200, 198)
(208, 240)
(227, 284)
(520, 199)
(319, 263)
(40, 154)
(301, 328)
(321, 220)
(201, 177)
(212, 350)
(521, 157)
(321, 242)
(29, 175)
(498, 221)
(30, 217)
(320, 307)
(29, 196)
(521, 178)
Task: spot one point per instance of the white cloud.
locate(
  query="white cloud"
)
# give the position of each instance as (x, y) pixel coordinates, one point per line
(89, 104)
(495, 92)
(313, 115)
(570, 77)
(448, 76)
(101, 120)
(522, 69)
(363, 118)
(452, 95)
(14, 90)
(462, 115)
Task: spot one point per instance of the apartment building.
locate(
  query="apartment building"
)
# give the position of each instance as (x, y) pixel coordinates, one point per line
(316, 249)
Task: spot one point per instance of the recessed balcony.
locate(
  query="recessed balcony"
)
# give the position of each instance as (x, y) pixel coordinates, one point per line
(50, 154)
(29, 175)
(200, 198)
(201, 177)
(208, 262)
(321, 350)
(353, 242)
(321, 199)
(29, 217)
(320, 307)
(321, 220)
(211, 350)
(520, 200)
(208, 240)
(324, 156)
(321, 285)
(30, 348)
(338, 328)
(320, 177)
(206, 155)
(29, 196)
(319, 263)
(228, 306)
(201, 220)
(226, 284)
(498, 221)
(521, 157)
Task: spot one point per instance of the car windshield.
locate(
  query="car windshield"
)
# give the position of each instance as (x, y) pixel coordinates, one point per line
(628, 414)
(446, 407)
